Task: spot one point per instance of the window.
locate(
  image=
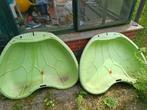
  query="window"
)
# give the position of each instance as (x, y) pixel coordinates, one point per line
(57, 15)
(46, 15)
(100, 13)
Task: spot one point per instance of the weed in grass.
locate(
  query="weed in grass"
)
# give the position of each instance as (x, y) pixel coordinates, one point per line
(83, 93)
(17, 106)
(141, 77)
(141, 74)
(141, 83)
(49, 103)
(110, 102)
(80, 100)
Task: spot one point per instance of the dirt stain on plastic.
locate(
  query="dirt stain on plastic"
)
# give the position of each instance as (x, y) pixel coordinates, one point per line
(42, 73)
(110, 72)
(64, 78)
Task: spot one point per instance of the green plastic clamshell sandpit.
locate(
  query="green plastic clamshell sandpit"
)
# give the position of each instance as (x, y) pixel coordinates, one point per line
(107, 59)
(36, 60)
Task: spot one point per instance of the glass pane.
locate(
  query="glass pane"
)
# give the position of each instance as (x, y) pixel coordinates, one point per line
(99, 13)
(47, 15)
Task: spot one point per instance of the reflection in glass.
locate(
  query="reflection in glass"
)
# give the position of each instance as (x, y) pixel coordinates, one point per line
(95, 13)
(42, 14)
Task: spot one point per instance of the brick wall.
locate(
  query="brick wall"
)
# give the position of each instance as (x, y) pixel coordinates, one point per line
(78, 45)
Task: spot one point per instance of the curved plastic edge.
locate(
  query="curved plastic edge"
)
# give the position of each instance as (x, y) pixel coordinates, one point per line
(29, 38)
(105, 36)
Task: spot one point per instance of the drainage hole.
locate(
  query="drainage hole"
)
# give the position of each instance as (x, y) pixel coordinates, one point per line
(42, 86)
(118, 80)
